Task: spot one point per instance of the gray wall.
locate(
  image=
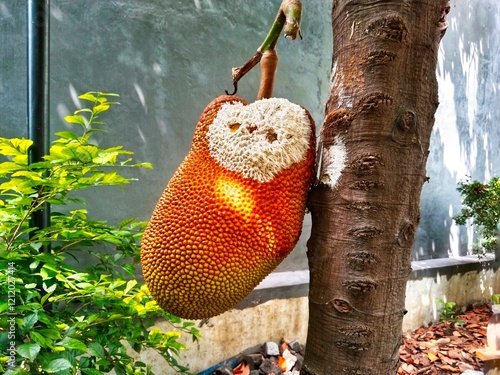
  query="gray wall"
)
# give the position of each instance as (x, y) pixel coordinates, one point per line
(168, 59)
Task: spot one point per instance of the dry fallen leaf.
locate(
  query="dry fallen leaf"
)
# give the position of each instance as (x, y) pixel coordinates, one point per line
(432, 357)
(444, 349)
(449, 368)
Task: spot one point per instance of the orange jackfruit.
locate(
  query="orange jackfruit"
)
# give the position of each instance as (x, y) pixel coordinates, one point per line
(234, 208)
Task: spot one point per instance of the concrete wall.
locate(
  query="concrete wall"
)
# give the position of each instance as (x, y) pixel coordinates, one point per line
(466, 133)
(169, 59)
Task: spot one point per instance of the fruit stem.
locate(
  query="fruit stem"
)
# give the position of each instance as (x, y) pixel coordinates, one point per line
(287, 20)
(268, 65)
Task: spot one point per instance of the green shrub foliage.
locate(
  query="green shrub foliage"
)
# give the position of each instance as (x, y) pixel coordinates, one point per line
(481, 203)
(58, 316)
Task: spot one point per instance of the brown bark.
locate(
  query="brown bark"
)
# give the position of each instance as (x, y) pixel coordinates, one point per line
(365, 208)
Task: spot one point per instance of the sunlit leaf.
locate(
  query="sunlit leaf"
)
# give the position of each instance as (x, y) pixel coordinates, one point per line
(97, 350)
(28, 350)
(88, 96)
(57, 365)
(38, 338)
(67, 134)
(100, 108)
(75, 119)
(71, 343)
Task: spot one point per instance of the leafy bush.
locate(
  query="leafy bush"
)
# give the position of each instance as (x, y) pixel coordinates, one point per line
(448, 312)
(481, 202)
(56, 316)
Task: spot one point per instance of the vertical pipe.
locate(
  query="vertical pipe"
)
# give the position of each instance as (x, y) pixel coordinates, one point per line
(38, 89)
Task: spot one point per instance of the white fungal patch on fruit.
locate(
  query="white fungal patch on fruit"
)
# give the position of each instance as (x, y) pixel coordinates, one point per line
(261, 139)
(334, 159)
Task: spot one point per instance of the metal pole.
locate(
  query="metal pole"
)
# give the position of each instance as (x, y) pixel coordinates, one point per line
(38, 17)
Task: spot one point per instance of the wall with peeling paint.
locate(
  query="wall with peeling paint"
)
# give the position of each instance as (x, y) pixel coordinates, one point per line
(167, 60)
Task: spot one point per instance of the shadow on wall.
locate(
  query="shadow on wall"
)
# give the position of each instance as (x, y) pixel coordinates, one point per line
(466, 132)
(168, 63)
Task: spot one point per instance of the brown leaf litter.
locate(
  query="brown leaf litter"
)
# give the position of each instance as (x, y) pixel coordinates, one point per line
(445, 348)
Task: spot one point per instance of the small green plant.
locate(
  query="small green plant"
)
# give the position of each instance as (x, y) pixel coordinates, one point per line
(69, 301)
(495, 299)
(447, 312)
(481, 203)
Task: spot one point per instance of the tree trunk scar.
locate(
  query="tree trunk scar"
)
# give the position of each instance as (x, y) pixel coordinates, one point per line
(405, 130)
(355, 337)
(341, 305)
(357, 331)
(352, 346)
(361, 286)
(361, 260)
(365, 185)
(380, 57)
(364, 206)
(366, 164)
(367, 231)
(391, 27)
(406, 234)
(373, 100)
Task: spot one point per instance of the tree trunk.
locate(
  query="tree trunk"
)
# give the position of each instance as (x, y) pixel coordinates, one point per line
(365, 207)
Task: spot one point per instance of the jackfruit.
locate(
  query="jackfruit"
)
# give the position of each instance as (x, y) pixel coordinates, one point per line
(234, 208)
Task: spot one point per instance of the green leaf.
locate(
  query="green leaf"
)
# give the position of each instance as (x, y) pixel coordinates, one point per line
(40, 165)
(71, 343)
(130, 285)
(100, 108)
(39, 339)
(101, 93)
(48, 271)
(83, 110)
(97, 350)
(75, 119)
(17, 371)
(129, 269)
(15, 146)
(59, 329)
(35, 176)
(29, 350)
(49, 288)
(144, 165)
(46, 296)
(57, 365)
(88, 96)
(67, 134)
(50, 333)
(9, 167)
(19, 185)
(30, 320)
(91, 371)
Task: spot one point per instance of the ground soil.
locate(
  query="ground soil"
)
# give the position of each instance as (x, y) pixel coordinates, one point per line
(447, 347)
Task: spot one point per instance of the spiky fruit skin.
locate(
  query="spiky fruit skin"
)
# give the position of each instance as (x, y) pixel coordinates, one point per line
(214, 234)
